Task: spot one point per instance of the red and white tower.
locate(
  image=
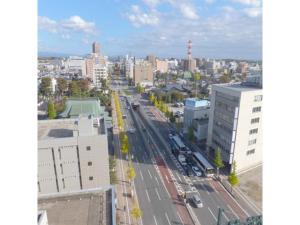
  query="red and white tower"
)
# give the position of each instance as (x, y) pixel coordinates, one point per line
(189, 49)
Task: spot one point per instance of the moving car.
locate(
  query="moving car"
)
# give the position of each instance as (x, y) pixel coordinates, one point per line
(197, 201)
(197, 171)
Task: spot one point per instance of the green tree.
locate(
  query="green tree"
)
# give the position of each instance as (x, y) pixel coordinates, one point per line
(218, 161)
(51, 110)
(172, 117)
(83, 85)
(196, 77)
(136, 213)
(225, 78)
(45, 86)
(191, 136)
(62, 86)
(233, 179)
(74, 89)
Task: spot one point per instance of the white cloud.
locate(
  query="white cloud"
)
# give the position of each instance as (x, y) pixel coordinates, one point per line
(163, 38)
(67, 26)
(228, 9)
(253, 12)
(139, 18)
(152, 3)
(188, 11)
(255, 3)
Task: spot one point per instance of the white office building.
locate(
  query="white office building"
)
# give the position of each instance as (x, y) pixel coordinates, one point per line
(235, 122)
(99, 72)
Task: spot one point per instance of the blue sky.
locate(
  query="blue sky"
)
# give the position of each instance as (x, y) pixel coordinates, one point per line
(217, 28)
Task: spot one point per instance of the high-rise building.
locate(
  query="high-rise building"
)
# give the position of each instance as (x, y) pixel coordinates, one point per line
(143, 73)
(96, 48)
(99, 72)
(190, 63)
(235, 122)
(162, 65)
(152, 60)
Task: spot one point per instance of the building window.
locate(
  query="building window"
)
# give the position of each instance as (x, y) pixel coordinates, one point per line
(89, 163)
(39, 186)
(61, 169)
(88, 148)
(59, 153)
(63, 181)
(253, 131)
(255, 120)
(91, 178)
(250, 152)
(256, 109)
(252, 142)
(258, 98)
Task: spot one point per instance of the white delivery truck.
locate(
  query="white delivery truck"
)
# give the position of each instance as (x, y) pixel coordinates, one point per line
(181, 159)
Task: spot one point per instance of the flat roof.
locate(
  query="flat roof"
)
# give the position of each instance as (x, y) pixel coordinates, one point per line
(238, 87)
(83, 208)
(60, 128)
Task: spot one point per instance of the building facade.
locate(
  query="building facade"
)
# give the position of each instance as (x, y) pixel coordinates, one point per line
(72, 155)
(152, 59)
(235, 123)
(96, 48)
(99, 72)
(143, 74)
(162, 66)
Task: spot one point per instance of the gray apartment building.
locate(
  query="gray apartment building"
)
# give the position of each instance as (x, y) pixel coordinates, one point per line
(235, 122)
(72, 154)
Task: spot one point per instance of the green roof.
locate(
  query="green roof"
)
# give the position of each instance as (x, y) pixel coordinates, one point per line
(187, 75)
(76, 107)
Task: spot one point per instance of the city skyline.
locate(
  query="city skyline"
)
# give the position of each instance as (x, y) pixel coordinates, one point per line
(227, 29)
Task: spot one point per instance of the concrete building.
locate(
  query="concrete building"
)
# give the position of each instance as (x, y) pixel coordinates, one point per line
(92, 207)
(96, 48)
(143, 73)
(72, 155)
(89, 67)
(152, 59)
(162, 66)
(76, 65)
(196, 112)
(99, 72)
(235, 122)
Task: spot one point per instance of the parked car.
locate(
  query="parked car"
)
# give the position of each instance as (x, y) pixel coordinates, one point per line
(197, 201)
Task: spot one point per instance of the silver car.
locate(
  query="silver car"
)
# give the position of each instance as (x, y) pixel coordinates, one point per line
(197, 201)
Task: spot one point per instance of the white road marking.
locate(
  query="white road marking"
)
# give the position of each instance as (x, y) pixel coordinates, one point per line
(179, 177)
(180, 218)
(148, 196)
(225, 216)
(157, 194)
(167, 179)
(155, 220)
(212, 214)
(156, 180)
(150, 174)
(232, 211)
(141, 175)
(167, 218)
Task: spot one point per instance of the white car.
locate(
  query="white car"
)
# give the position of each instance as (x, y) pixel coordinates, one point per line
(197, 171)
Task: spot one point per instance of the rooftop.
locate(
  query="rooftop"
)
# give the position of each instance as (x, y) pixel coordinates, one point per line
(82, 208)
(196, 102)
(64, 128)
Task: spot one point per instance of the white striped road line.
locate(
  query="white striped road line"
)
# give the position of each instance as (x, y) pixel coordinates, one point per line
(148, 196)
(246, 199)
(180, 218)
(212, 214)
(155, 220)
(179, 177)
(156, 180)
(157, 194)
(141, 175)
(167, 179)
(167, 218)
(225, 216)
(232, 211)
(150, 174)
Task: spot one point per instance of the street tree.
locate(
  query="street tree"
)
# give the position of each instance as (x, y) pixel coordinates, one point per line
(83, 85)
(136, 213)
(45, 86)
(74, 89)
(218, 161)
(62, 86)
(51, 110)
(233, 179)
(130, 172)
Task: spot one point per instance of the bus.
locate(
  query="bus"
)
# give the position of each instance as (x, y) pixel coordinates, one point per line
(201, 162)
(177, 146)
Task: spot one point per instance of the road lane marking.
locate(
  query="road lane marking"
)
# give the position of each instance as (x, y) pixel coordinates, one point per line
(156, 180)
(155, 220)
(149, 174)
(141, 175)
(233, 211)
(225, 217)
(212, 214)
(167, 218)
(157, 194)
(180, 218)
(167, 179)
(148, 196)
(179, 177)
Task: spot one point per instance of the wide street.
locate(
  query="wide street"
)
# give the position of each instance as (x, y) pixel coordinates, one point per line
(160, 178)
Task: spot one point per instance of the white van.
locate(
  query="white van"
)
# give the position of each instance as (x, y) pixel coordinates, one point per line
(197, 201)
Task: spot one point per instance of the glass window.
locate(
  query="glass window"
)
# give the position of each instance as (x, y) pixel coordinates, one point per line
(253, 131)
(91, 178)
(255, 120)
(250, 152)
(89, 163)
(252, 142)
(258, 98)
(88, 148)
(256, 109)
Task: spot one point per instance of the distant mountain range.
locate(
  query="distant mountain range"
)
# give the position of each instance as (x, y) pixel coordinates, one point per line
(57, 54)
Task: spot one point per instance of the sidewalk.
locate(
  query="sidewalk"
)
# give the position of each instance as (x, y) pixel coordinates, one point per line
(125, 200)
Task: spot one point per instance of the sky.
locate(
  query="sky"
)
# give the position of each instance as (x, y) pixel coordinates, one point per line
(217, 28)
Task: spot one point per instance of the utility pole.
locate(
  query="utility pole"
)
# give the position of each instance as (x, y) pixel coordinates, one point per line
(219, 216)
